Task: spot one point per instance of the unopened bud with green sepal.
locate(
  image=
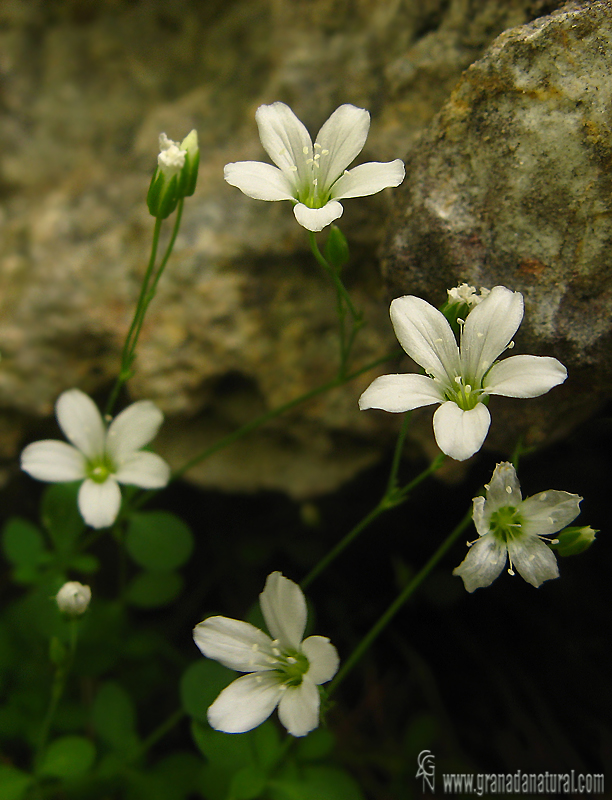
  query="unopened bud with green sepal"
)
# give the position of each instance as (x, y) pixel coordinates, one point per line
(175, 176)
(189, 172)
(574, 540)
(336, 248)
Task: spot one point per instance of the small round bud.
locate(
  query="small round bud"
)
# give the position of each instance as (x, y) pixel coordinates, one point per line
(73, 598)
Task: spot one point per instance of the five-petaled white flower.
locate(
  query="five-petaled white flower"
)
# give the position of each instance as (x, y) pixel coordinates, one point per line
(284, 671)
(100, 457)
(461, 378)
(313, 177)
(510, 527)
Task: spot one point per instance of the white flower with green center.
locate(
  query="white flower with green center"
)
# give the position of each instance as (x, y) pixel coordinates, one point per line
(313, 177)
(102, 458)
(510, 527)
(284, 671)
(461, 378)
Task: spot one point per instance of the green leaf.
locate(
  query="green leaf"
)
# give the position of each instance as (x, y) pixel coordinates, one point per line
(68, 757)
(267, 744)
(60, 515)
(114, 717)
(248, 783)
(84, 562)
(227, 751)
(201, 683)
(320, 783)
(13, 782)
(158, 541)
(315, 745)
(23, 543)
(154, 589)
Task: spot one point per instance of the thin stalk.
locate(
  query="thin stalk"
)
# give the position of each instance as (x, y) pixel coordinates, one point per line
(340, 287)
(158, 734)
(397, 604)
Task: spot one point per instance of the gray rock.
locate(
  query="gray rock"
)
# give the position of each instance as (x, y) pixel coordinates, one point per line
(243, 320)
(512, 184)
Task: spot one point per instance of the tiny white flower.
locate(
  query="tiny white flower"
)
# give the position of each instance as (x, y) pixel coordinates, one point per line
(171, 158)
(284, 671)
(313, 177)
(510, 527)
(73, 598)
(461, 378)
(100, 457)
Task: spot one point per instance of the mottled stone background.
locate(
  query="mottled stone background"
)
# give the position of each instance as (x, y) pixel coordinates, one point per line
(507, 142)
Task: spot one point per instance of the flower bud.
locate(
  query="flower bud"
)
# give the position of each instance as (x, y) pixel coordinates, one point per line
(336, 248)
(163, 196)
(461, 300)
(189, 172)
(572, 541)
(73, 598)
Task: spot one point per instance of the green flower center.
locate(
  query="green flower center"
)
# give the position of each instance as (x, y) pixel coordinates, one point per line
(464, 394)
(506, 523)
(292, 666)
(99, 469)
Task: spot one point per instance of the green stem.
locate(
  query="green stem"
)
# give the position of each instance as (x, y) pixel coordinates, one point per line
(253, 424)
(340, 287)
(402, 598)
(397, 455)
(391, 498)
(158, 734)
(57, 690)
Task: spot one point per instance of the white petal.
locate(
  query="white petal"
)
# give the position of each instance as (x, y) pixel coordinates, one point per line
(534, 560)
(144, 469)
(298, 709)
(81, 422)
(286, 141)
(283, 606)
(426, 336)
(343, 137)
(53, 461)
(245, 703)
(503, 489)
(548, 512)
(368, 179)
(460, 433)
(315, 219)
(488, 329)
(322, 657)
(99, 503)
(483, 563)
(234, 643)
(524, 376)
(258, 180)
(397, 393)
(134, 427)
(480, 519)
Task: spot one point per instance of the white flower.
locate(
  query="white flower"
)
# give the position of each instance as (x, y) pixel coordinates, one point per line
(461, 378)
(510, 527)
(73, 598)
(171, 158)
(100, 457)
(314, 178)
(284, 671)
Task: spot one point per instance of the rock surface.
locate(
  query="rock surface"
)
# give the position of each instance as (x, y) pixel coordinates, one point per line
(243, 320)
(512, 184)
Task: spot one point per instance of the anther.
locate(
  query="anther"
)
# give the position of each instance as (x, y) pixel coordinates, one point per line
(509, 489)
(305, 150)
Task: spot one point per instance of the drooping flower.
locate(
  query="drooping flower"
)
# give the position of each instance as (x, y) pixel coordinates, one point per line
(461, 378)
(73, 598)
(314, 178)
(102, 458)
(510, 527)
(284, 671)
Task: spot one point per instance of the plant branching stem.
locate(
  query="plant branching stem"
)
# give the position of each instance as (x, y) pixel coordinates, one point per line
(397, 604)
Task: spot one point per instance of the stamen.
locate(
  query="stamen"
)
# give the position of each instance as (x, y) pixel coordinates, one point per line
(511, 346)
(326, 153)
(305, 150)
(460, 321)
(554, 541)
(293, 168)
(315, 181)
(317, 147)
(544, 495)
(509, 489)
